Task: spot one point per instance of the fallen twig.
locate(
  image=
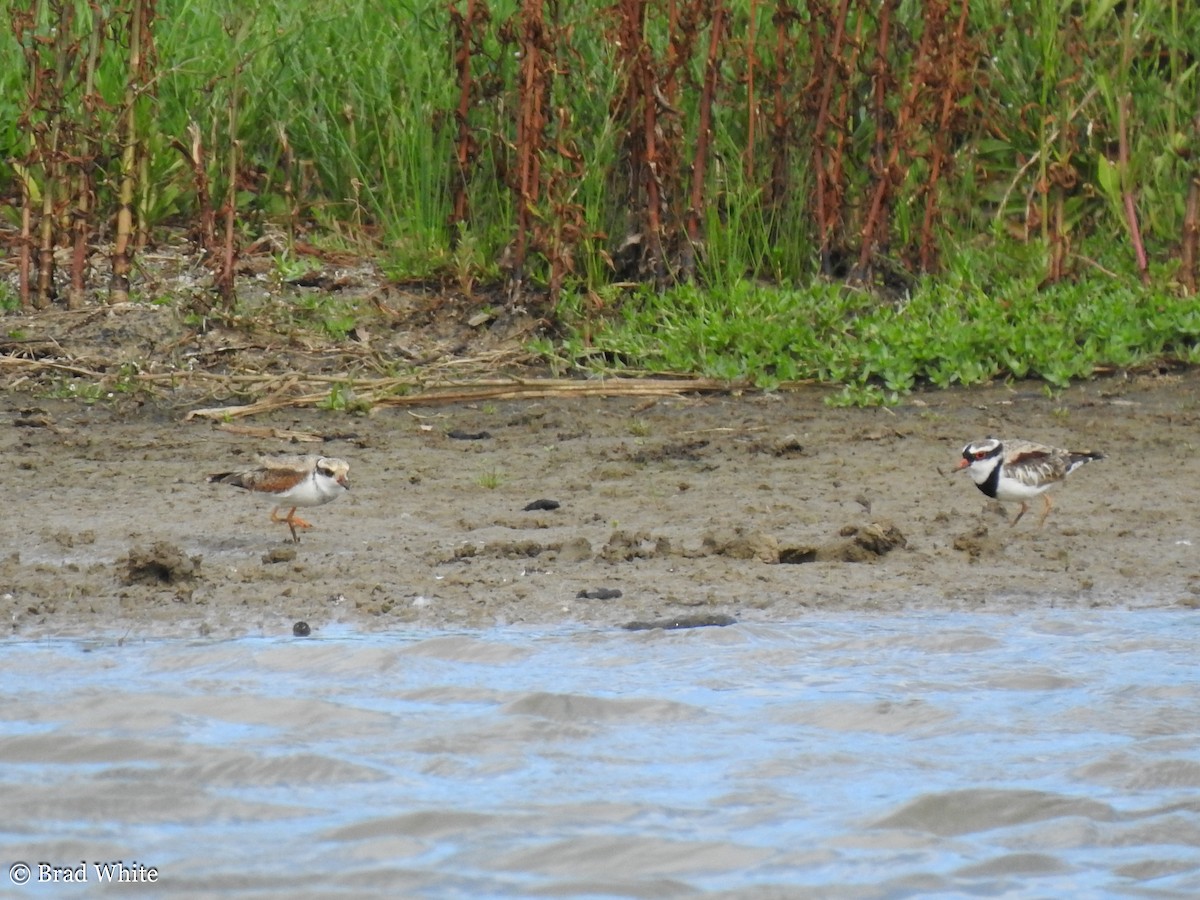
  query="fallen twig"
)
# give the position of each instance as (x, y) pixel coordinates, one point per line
(266, 431)
(385, 394)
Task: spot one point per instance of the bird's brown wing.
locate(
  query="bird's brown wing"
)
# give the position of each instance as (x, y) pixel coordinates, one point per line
(1035, 463)
(272, 481)
(275, 475)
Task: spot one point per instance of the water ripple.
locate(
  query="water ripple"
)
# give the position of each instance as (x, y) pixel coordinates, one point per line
(1038, 755)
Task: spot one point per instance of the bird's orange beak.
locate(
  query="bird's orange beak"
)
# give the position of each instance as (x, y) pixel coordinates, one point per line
(962, 464)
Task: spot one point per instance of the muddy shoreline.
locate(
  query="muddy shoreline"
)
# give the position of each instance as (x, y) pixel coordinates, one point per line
(696, 509)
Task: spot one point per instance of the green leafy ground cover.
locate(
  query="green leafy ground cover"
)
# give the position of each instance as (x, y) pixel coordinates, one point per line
(952, 330)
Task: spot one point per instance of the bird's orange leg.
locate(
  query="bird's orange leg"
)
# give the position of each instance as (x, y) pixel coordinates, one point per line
(292, 522)
(1045, 512)
(1024, 509)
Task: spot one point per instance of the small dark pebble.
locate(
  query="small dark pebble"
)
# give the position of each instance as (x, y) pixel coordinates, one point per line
(301, 629)
(468, 435)
(542, 504)
(682, 622)
(599, 594)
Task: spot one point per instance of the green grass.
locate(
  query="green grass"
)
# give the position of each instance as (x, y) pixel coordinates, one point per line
(950, 331)
(490, 480)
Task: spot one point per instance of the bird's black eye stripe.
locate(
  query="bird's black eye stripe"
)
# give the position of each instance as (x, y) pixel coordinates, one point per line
(326, 471)
(971, 455)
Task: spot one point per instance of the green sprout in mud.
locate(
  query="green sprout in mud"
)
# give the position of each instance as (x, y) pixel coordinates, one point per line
(337, 319)
(76, 389)
(639, 428)
(291, 268)
(342, 398)
(862, 395)
(126, 381)
(490, 480)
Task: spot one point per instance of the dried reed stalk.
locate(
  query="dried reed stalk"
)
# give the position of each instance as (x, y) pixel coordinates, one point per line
(384, 394)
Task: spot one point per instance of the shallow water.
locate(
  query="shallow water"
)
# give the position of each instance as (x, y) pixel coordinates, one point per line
(1035, 755)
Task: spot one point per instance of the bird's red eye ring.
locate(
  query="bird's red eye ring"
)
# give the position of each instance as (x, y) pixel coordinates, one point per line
(979, 454)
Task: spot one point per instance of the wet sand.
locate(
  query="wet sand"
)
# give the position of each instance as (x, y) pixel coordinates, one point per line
(696, 509)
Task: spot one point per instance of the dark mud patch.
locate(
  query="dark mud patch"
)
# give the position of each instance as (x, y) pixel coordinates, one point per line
(161, 563)
(788, 446)
(687, 451)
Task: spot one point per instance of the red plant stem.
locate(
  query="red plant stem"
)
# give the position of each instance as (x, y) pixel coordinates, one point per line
(951, 91)
(826, 218)
(1189, 258)
(781, 123)
(837, 167)
(678, 46)
(704, 138)
(531, 126)
(751, 100)
(466, 146)
(650, 160)
(291, 201)
(1189, 252)
(1059, 237)
(1131, 216)
(206, 228)
(24, 261)
(226, 269)
(884, 163)
(640, 107)
(225, 274)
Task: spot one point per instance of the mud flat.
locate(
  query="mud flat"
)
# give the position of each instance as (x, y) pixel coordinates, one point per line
(670, 511)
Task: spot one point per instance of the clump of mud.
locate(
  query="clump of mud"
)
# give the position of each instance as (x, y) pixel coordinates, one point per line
(738, 543)
(162, 564)
(572, 551)
(977, 543)
(624, 546)
(857, 543)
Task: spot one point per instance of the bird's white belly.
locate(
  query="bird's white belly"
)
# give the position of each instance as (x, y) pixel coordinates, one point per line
(306, 493)
(1010, 489)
